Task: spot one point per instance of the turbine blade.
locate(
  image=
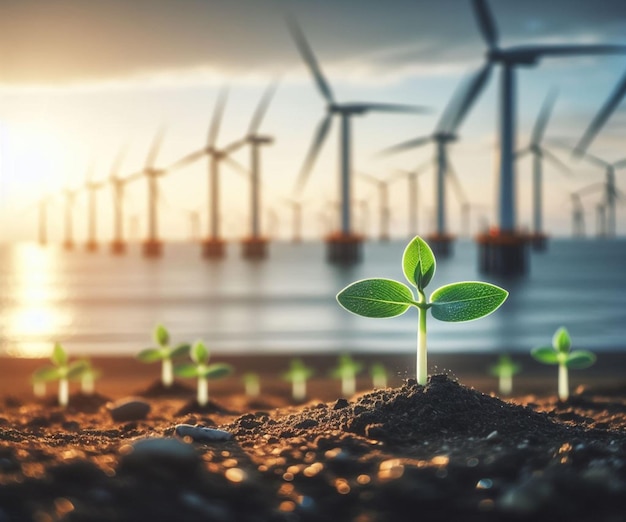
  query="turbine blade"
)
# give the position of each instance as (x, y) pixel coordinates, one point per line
(474, 88)
(389, 107)
(543, 118)
(218, 113)
(261, 109)
(448, 116)
(154, 149)
(406, 145)
(620, 164)
(309, 58)
(524, 152)
(456, 184)
(235, 165)
(316, 145)
(234, 146)
(117, 162)
(486, 23)
(556, 161)
(539, 51)
(186, 160)
(601, 118)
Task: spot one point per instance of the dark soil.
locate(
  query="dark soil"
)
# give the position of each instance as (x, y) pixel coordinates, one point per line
(439, 452)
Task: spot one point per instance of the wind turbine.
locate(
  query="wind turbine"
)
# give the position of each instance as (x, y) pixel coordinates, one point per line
(70, 199)
(504, 252)
(600, 119)
(413, 193)
(92, 188)
(343, 246)
(296, 209)
(255, 246)
(118, 184)
(383, 197)
(578, 216)
(445, 133)
(214, 245)
(539, 153)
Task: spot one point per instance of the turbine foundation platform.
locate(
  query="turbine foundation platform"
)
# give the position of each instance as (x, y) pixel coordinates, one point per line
(152, 248)
(539, 242)
(213, 248)
(344, 249)
(441, 244)
(503, 254)
(254, 248)
(68, 244)
(118, 247)
(91, 246)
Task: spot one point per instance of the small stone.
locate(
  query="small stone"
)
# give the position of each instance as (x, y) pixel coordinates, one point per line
(130, 409)
(306, 423)
(201, 433)
(494, 437)
(161, 456)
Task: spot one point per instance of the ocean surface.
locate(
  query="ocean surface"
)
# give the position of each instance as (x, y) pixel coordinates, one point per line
(97, 304)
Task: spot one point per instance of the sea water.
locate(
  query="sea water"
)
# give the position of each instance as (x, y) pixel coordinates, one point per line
(97, 304)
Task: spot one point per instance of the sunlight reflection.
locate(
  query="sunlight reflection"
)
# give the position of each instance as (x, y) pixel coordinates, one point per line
(36, 319)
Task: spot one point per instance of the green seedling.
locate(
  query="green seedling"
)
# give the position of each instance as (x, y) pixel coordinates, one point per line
(298, 374)
(456, 302)
(560, 353)
(163, 353)
(378, 373)
(202, 370)
(88, 378)
(252, 384)
(347, 370)
(505, 369)
(62, 371)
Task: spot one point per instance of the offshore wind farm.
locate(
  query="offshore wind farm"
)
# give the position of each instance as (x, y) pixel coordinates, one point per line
(128, 166)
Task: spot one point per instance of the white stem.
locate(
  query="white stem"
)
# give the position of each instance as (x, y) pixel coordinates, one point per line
(348, 386)
(87, 384)
(167, 373)
(299, 389)
(563, 382)
(380, 381)
(422, 365)
(39, 389)
(506, 383)
(203, 391)
(252, 388)
(64, 392)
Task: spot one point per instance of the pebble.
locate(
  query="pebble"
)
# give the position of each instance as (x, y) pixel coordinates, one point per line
(494, 437)
(201, 433)
(129, 409)
(148, 455)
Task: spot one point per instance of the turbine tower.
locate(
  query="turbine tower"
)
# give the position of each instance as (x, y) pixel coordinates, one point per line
(413, 192)
(153, 246)
(296, 209)
(383, 197)
(118, 184)
(578, 216)
(344, 246)
(70, 199)
(255, 245)
(539, 153)
(92, 188)
(504, 252)
(214, 245)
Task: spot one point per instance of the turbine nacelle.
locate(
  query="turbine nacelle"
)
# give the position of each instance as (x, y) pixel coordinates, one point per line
(258, 139)
(444, 137)
(514, 56)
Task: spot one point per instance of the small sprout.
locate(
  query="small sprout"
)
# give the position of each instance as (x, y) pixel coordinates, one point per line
(347, 370)
(62, 371)
(203, 371)
(163, 353)
(298, 374)
(88, 378)
(252, 384)
(379, 375)
(560, 353)
(456, 302)
(505, 369)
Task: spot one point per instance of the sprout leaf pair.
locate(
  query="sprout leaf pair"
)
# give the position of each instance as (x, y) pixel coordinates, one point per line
(163, 353)
(456, 302)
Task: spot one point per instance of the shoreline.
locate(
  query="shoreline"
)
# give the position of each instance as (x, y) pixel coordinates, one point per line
(123, 376)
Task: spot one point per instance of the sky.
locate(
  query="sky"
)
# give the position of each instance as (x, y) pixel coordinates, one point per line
(81, 80)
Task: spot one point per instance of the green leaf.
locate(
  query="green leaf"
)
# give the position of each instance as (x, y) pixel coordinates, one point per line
(561, 340)
(217, 371)
(161, 335)
(298, 371)
(466, 301)
(59, 355)
(76, 369)
(580, 359)
(199, 353)
(376, 298)
(180, 350)
(49, 373)
(545, 354)
(505, 366)
(150, 355)
(186, 370)
(418, 263)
